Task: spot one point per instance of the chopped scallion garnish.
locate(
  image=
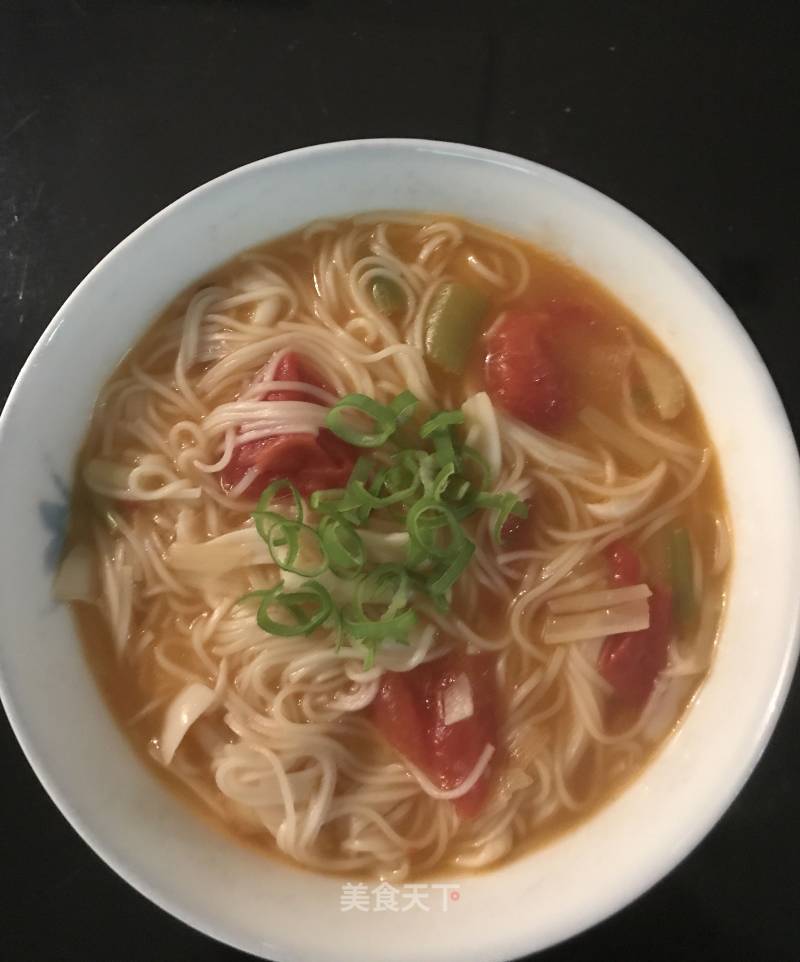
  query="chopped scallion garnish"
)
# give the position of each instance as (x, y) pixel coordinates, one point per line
(301, 611)
(343, 546)
(429, 484)
(341, 420)
(297, 548)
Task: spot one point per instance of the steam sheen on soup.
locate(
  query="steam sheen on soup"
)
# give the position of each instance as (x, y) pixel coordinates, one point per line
(397, 544)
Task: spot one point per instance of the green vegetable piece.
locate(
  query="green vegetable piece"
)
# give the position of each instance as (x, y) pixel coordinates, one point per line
(452, 325)
(681, 570)
(388, 296)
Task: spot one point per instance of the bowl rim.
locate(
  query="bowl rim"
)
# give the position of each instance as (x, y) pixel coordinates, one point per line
(769, 715)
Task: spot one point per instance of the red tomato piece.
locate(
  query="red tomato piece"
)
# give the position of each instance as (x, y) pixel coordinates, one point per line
(400, 716)
(293, 367)
(624, 564)
(409, 712)
(521, 374)
(311, 463)
(631, 662)
(456, 748)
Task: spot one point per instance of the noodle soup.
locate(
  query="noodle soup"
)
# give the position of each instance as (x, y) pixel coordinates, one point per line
(397, 544)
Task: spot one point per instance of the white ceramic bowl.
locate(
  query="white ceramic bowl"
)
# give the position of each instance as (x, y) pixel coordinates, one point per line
(267, 907)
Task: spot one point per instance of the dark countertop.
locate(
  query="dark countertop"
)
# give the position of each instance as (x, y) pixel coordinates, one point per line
(684, 112)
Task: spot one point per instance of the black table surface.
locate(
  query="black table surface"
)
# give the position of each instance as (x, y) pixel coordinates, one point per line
(685, 112)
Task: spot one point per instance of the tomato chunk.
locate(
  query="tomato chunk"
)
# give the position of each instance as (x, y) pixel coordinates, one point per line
(399, 714)
(623, 563)
(631, 662)
(521, 374)
(409, 711)
(294, 367)
(312, 463)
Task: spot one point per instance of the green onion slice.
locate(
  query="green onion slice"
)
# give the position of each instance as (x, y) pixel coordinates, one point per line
(272, 492)
(343, 546)
(475, 467)
(386, 584)
(266, 513)
(403, 406)
(380, 606)
(452, 570)
(288, 541)
(397, 487)
(442, 421)
(394, 628)
(439, 428)
(504, 504)
(303, 611)
(443, 479)
(427, 521)
(327, 501)
(340, 421)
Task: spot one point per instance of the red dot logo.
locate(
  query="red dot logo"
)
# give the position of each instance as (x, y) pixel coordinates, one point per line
(455, 896)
